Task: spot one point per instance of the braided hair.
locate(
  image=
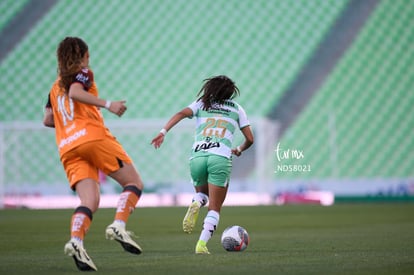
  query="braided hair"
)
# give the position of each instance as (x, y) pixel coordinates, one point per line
(216, 90)
(69, 53)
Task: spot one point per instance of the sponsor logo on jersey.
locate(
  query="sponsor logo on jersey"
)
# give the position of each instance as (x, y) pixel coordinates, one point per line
(206, 146)
(72, 138)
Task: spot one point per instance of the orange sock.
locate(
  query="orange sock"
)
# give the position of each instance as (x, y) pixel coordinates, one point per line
(127, 202)
(81, 221)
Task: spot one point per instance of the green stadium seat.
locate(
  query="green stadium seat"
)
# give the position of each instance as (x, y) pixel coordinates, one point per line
(9, 8)
(359, 125)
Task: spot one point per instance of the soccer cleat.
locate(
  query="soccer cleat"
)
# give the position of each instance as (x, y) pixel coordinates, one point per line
(201, 248)
(82, 260)
(191, 217)
(119, 234)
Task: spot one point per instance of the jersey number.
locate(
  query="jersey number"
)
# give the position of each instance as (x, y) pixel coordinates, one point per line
(66, 115)
(216, 127)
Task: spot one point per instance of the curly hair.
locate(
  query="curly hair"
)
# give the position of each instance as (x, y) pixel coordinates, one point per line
(69, 53)
(216, 90)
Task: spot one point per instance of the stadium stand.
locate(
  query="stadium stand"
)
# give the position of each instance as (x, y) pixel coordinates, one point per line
(135, 54)
(155, 55)
(9, 8)
(359, 124)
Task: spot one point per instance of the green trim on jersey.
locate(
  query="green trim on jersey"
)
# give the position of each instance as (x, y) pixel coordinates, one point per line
(215, 128)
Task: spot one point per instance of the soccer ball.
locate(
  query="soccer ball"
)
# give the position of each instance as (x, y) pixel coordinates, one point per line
(235, 238)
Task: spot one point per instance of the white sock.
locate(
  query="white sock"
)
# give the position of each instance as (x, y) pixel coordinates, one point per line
(210, 225)
(77, 239)
(121, 223)
(201, 198)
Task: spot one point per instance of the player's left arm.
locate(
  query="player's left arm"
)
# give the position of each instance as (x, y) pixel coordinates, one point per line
(48, 119)
(184, 113)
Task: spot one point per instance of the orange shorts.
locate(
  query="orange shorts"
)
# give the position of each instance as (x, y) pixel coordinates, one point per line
(85, 160)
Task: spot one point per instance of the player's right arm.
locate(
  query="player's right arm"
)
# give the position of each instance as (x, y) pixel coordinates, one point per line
(246, 131)
(248, 141)
(78, 93)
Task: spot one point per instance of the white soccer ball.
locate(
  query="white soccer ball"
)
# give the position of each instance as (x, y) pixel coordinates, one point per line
(235, 238)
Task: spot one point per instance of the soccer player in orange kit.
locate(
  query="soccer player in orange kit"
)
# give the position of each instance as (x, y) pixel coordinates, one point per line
(87, 146)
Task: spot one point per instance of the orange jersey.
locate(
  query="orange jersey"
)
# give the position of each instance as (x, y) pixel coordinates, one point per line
(75, 122)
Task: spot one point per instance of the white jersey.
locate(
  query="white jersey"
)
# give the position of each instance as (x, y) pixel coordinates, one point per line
(215, 128)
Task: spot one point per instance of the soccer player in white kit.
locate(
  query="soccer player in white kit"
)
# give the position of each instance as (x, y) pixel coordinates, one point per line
(217, 118)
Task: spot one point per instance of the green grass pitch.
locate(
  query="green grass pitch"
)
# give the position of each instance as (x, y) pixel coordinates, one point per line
(370, 238)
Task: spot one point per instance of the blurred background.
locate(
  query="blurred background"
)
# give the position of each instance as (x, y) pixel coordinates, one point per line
(327, 85)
